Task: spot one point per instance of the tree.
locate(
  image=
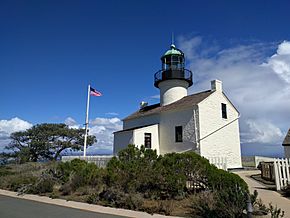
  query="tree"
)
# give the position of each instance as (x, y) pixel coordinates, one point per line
(46, 141)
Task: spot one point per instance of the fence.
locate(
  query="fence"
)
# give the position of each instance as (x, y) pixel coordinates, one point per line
(219, 162)
(100, 161)
(282, 175)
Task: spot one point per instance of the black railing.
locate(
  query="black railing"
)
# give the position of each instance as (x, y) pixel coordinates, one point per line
(163, 75)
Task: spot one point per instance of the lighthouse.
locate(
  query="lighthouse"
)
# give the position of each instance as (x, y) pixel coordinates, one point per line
(205, 122)
(173, 79)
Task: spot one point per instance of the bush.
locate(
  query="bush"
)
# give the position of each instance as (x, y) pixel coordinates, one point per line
(204, 205)
(215, 204)
(165, 177)
(43, 185)
(77, 173)
(20, 182)
(117, 198)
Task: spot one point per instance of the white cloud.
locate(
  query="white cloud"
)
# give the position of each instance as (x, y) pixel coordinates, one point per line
(256, 82)
(103, 129)
(280, 62)
(112, 114)
(262, 131)
(109, 123)
(71, 123)
(9, 126)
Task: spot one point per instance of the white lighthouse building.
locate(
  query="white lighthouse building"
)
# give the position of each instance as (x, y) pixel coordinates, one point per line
(205, 122)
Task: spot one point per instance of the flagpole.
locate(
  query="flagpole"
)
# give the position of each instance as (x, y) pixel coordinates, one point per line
(87, 122)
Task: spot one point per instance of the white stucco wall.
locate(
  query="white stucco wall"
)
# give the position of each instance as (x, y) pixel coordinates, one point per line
(172, 90)
(168, 122)
(226, 141)
(287, 151)
(122, 140)
(138, 138)
(141, 121)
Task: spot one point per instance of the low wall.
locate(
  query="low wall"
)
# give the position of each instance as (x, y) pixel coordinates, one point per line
(259, 159)
(100, 161)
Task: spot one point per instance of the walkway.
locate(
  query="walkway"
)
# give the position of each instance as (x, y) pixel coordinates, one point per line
(267, 196)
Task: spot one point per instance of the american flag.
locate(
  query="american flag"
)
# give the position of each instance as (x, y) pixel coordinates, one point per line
(95, 92)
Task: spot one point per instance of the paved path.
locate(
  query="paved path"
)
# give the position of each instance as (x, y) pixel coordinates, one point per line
(33, 206)
(267, 196)
(19, 208)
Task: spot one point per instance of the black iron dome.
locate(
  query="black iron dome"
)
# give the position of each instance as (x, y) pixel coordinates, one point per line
(173, 67)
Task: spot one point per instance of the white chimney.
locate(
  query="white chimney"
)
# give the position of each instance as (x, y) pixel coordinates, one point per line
(216, 85)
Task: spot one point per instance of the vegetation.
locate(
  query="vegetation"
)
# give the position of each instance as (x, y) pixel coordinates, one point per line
(286, 191)
(260, 209)
(174, 184)
(46, 142)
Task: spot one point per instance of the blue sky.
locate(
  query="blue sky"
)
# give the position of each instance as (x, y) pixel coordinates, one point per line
(51, 50)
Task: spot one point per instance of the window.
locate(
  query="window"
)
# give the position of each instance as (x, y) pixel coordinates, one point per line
(224, 111)
(178, 134)
(147, 140)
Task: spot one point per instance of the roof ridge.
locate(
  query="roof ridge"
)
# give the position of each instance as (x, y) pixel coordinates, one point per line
(189, 100)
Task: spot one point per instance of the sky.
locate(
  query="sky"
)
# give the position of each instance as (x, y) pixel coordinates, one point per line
(51, 50)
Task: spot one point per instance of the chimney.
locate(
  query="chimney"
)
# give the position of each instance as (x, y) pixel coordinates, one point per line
(216, 85)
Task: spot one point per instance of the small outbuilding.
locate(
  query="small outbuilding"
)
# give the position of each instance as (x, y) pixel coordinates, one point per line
(286, 144)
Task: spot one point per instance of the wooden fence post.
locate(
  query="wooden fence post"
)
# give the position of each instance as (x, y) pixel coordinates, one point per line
(277, 179)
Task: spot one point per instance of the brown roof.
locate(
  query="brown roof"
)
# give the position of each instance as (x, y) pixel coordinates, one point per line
(287, 139)
(186, 101)
(133, 128)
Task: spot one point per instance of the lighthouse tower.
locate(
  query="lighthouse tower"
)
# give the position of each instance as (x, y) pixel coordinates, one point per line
(173, 79)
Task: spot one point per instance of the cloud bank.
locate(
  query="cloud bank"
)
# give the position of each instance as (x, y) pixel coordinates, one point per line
(9, 126)
(256, 77)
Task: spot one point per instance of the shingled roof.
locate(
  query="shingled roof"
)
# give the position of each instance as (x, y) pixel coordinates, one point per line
(186, 101)
(287, 139)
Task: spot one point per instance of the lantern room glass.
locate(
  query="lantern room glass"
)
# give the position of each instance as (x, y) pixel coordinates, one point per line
(173, 62)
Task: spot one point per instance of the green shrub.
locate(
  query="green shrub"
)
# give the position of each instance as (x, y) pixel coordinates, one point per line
(43, 185)
(77, 173)
(117, 198)
(164, 177)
